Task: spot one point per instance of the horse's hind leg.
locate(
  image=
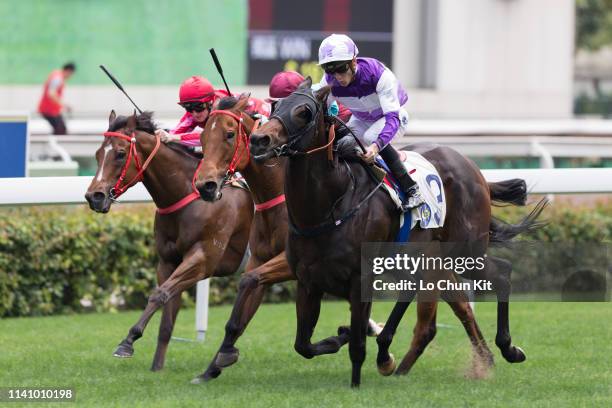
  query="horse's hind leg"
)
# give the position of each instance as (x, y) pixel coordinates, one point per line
(308, 306)
(166, 327)
(499, 270)
(424, 332)
(483, 357)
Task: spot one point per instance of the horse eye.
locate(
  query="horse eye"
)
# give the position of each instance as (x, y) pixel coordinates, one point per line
(120, 155)
(230, 134)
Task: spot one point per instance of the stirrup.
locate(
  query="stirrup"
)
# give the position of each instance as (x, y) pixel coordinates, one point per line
(413, 198)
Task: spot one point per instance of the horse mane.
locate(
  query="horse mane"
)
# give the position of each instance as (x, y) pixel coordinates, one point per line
(227, 102)
(144, 122)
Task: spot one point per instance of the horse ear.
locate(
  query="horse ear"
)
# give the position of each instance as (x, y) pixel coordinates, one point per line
(243, 100)
(131, 122)
(305, 84)
(322, 93)
(112, 117)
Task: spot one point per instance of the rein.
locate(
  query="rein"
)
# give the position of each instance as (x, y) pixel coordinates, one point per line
(287, 149)
(119, 188)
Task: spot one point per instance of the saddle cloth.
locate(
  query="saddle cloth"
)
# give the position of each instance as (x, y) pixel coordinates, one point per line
(429, 215)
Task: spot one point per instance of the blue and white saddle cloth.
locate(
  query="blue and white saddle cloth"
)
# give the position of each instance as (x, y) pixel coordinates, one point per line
(429, 215)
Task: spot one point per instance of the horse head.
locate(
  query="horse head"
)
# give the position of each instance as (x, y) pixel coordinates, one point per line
(119, 162)
(293, 125)
(224, 146)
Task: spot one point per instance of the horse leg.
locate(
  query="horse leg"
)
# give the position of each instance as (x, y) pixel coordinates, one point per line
(251, 290)
(500, 270)
(184, 276)
(308, 306)
(464, 313)
(166, 327)
(360, 314)
(424, 332)
(125, 349)
(384, 360)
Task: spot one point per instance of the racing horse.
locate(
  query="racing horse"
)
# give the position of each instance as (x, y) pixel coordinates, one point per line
(194, 240)
(334, 206)
(225, 146)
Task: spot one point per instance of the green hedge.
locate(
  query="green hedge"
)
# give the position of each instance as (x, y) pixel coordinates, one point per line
(69, 259)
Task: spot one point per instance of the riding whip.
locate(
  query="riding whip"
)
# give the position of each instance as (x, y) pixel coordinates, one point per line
(219, 69)
(112, 78)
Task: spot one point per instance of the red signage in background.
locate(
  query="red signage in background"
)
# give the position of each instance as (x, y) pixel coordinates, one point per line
(285, 35)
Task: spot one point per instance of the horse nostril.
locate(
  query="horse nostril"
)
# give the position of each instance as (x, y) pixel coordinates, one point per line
(262, 141)
(98, 196)
(210, 187)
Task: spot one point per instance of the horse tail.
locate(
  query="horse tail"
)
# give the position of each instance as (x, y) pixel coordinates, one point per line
(501, 231)
(513, 191)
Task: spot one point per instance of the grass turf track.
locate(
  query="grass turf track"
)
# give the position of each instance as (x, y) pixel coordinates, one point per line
(568, 346)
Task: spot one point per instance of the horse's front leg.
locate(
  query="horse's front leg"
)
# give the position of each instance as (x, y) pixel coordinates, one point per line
(126, 347)
(308, 306)
(251, 290)
(360, 313)
(195, 266)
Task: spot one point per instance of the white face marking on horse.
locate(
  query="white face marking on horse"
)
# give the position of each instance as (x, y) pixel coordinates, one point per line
(107, 149)
(213, 125)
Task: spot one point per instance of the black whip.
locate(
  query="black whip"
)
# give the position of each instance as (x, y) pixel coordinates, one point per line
(112, 78)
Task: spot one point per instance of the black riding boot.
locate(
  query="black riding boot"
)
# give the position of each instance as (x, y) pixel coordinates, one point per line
(413, 196)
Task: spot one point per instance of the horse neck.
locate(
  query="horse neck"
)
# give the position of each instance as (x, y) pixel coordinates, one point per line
(313, 184)
(168, 178)
(265, 180)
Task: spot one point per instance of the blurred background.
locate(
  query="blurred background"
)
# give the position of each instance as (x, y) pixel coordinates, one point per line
(472, 67)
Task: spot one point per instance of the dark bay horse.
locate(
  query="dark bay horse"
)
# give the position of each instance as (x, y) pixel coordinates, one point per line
(194, 239)
(328, 222)
(225, 146)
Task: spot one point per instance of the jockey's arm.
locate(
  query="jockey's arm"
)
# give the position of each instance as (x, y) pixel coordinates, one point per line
(387, 91)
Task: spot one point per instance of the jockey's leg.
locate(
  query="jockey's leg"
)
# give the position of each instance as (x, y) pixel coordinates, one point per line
(413, 196)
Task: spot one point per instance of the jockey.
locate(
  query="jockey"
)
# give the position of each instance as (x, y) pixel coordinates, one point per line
(198, 97)
(375, 97)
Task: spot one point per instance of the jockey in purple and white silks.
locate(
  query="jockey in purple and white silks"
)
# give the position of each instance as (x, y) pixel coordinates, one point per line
(375, 97)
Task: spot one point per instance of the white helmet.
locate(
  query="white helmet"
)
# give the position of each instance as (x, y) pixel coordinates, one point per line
(337, 47)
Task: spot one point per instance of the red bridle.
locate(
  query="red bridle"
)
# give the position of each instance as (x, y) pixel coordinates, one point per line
(242, 137)
(119, 189)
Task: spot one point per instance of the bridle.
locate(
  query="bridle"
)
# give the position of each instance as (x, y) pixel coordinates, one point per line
(119, 188)
(283, 115)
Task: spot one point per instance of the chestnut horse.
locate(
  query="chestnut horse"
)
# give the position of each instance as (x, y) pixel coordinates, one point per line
(335, 206)
(194, 240)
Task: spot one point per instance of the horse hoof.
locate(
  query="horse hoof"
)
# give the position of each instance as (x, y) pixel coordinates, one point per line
(388, 367)
(224, 360)
(515, 355)
(519, 355)
(207, 376)
(124, 351)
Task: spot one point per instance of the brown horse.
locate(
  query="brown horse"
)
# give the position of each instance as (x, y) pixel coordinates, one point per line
(329, 219)
(225, 146)
(194, 240)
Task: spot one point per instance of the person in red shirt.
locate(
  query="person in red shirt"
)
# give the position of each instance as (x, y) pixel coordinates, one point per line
(198, 97)
(51, 104)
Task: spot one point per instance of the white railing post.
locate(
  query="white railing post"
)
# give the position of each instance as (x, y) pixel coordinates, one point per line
(201, 319)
